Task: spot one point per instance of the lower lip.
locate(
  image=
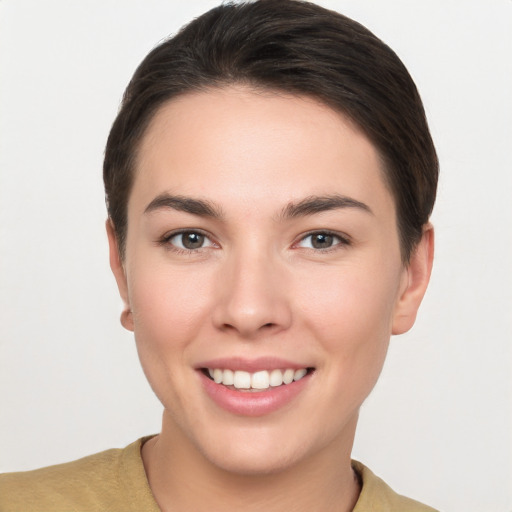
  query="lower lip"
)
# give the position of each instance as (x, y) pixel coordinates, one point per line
(253, 403)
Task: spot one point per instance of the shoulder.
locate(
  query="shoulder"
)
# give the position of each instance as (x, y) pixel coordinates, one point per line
(377, 496)
(110, 480)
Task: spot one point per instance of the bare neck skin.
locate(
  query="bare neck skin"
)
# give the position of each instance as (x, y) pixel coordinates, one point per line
(182, 479)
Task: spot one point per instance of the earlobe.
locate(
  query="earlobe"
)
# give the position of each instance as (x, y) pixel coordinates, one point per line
(417, 277)
(117, 268)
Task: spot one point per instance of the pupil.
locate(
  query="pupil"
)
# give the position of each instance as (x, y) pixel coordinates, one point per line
(322, 241)
(193, 240)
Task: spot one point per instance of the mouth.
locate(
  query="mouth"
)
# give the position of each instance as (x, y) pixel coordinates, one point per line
(255, 387)
(258, 381)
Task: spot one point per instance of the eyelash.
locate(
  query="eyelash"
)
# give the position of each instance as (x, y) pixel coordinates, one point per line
(341, 241)
(166, 241)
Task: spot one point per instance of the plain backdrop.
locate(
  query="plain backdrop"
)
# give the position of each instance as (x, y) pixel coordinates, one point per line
(437, 426)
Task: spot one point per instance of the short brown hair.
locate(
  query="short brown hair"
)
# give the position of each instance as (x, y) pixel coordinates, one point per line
(296, 47)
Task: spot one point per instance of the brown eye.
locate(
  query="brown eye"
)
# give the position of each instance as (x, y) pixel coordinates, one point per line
(192, 240)
(322, 240)
(189, 240)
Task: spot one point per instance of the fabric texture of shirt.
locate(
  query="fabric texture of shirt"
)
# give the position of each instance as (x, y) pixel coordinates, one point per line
(115, 481)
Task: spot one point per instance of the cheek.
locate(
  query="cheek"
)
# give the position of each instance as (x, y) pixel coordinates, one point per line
(168, 307)
(350, 300)
(168, 312)
(350, 314)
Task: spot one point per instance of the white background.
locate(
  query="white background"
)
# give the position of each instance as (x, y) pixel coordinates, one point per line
(438, 425)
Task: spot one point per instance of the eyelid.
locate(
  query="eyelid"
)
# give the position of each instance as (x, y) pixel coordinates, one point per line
(343, 239)
(165, 240)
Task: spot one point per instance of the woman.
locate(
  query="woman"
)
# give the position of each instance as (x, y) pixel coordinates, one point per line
(269, 181)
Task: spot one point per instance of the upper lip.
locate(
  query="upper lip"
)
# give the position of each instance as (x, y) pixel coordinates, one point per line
(251, 365)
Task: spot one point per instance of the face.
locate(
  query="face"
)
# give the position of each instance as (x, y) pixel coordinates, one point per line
(261, 248)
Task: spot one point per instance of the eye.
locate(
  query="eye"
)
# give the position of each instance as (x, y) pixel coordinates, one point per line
(322, 240)
(189, 240)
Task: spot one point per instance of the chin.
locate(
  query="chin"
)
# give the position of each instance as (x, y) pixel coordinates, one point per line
(252, 462)
(259, 451)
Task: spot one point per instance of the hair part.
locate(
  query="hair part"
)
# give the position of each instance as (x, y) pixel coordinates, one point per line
(297, 48)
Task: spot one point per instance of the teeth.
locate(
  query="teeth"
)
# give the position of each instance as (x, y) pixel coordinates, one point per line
(228, 378)
(276, 378)
(242, 380)
(258, 380)
(217, 375)
(299, 374)
(288, 376)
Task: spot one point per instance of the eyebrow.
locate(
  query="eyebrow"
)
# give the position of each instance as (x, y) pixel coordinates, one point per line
(308, 206)
(199, 207)
(317, 204)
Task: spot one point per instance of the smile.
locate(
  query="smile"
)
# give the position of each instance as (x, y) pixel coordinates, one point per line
(260, 380)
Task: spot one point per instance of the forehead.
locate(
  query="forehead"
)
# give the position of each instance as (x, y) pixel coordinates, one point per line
(255, 145)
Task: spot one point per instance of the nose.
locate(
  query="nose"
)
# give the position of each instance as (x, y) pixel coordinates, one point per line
(252, 296)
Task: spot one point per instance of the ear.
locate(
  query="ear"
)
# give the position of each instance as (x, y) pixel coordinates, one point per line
(415, 281)
(117, 267)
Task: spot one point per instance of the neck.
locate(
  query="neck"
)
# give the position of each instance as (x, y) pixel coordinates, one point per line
(182, 479)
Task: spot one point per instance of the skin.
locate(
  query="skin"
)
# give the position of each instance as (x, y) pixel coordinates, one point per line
(258, 287)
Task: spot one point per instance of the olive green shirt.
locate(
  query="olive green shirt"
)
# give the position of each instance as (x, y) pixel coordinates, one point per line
(115, 481)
